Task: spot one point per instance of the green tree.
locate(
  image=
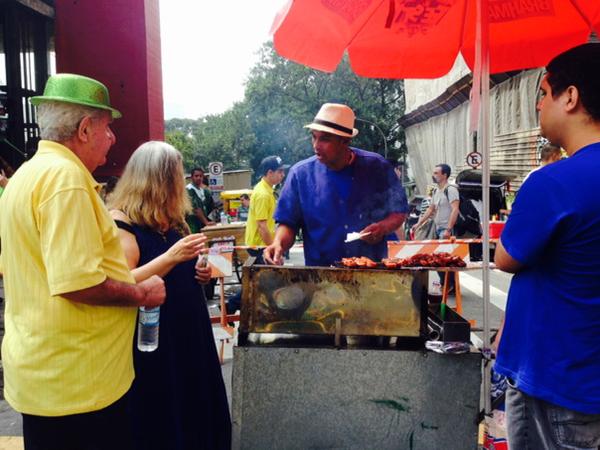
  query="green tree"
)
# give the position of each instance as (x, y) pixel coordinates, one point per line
(225, 137)
(183, 142)
(186, 126)
(280, 98)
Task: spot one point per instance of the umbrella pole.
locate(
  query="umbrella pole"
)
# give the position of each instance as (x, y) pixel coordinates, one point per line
(482, 50)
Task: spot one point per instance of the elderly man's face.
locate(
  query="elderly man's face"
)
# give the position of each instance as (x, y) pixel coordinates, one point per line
(100, 139)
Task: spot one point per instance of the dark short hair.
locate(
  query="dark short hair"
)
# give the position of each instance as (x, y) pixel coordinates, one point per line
(579, 67)
(273, 163)
(549, 150)
(197, 169)
(244, 197)
(445, 169)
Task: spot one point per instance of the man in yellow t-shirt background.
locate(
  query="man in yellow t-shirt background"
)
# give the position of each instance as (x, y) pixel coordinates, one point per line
(260, 227)
(71, 301)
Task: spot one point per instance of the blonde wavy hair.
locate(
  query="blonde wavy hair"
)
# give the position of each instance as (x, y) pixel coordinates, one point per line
(152, 191)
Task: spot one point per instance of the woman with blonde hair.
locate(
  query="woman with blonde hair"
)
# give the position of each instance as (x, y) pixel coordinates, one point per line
(178, 395)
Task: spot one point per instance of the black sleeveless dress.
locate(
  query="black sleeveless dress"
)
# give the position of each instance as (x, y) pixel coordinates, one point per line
(178, 396)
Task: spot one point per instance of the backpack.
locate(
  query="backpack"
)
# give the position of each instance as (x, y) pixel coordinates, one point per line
(468, 216)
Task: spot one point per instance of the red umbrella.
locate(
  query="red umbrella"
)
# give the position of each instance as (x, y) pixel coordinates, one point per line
(422, 38)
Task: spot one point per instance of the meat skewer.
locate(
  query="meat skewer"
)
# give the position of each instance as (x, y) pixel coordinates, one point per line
(418, 260)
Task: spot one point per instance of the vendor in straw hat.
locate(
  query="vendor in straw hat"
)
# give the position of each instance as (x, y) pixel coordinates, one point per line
(70, 299)
(337, 191)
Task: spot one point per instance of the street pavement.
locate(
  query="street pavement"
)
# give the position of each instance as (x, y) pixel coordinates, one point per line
(471, 287)
(472, 299)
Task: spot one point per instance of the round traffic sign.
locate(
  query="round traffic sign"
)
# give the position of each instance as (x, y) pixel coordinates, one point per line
(215, 168)
(474, 159)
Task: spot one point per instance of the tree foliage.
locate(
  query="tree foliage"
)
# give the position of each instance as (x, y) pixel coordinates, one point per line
(280, 98)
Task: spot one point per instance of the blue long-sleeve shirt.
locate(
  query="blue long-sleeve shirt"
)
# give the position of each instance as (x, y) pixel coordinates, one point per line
(328, 204)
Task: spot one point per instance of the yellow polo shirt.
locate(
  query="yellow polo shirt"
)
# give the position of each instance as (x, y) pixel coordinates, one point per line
(61, 357)
(262, 207)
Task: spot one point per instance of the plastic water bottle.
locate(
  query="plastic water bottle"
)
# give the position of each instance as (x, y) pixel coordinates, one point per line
(203, 260)
(223, 218)
(148, 323)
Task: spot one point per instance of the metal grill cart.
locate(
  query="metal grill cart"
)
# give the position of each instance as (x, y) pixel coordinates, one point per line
(346, 365)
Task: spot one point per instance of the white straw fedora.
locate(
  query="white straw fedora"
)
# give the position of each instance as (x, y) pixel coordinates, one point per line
(335, 119)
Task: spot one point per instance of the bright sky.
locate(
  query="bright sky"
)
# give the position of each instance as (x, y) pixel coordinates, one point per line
(208, 48)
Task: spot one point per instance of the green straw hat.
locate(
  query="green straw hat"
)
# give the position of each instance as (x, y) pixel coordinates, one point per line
(71, 88)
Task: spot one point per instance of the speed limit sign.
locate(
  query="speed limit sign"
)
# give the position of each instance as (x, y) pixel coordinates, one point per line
(215, 168)
(474, 159)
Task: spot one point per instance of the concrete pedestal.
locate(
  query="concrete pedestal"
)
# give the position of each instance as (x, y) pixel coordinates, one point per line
(311, 398)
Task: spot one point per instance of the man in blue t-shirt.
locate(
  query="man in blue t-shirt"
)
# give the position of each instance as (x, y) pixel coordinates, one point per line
(550, 347)
(337, 191)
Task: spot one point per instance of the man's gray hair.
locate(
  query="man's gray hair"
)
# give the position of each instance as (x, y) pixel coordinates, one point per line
(58, 121)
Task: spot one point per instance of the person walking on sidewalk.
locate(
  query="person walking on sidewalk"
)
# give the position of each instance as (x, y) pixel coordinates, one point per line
(445, 202)
(444, 209)
(71, 301)
(550, 346)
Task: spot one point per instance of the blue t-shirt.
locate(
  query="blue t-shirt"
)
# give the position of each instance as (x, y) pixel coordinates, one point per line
(550, 346)
(329, 204)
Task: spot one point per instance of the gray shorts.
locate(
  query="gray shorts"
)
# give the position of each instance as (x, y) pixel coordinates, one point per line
(533, 424)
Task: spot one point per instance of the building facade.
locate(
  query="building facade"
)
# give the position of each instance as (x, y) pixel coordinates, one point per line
(437, 123)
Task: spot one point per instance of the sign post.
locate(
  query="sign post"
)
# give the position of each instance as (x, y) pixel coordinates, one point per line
(215, 176)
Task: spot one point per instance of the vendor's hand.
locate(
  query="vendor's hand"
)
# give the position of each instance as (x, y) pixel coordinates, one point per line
(154, 291)
(447, 234)
(203, 273)
(210, 224)
(273, 254)
(415, 227)
(3, 179)
(377, 233)
(187, 248)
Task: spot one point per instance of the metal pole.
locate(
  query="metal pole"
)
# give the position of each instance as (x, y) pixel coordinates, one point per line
(482, 49)
(380, 132)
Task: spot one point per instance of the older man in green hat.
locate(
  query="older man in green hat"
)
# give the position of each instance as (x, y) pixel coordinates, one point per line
(70, 299)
